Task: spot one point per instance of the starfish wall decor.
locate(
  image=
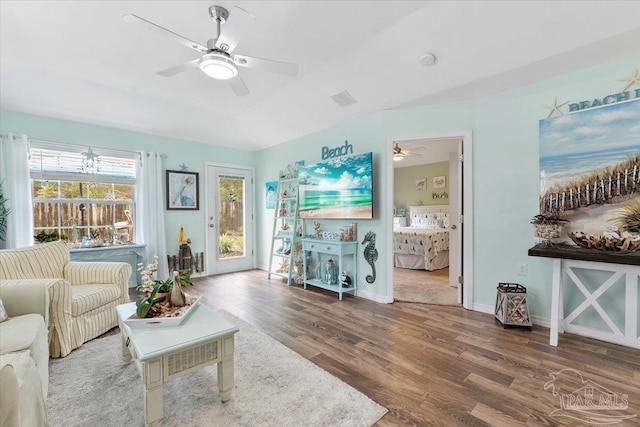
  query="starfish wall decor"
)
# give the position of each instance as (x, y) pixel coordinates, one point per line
(633, 80)
(555, 108)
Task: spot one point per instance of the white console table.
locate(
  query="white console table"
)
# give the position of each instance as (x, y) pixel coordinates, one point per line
(132, 254)
(621, 266)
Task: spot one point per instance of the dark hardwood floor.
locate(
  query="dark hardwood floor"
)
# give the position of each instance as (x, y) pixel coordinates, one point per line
(429, 364)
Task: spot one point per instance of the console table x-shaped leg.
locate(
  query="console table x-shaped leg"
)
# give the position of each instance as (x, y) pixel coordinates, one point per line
(559, 323)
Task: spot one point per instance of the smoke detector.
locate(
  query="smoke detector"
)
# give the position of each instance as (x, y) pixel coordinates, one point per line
(427, 59)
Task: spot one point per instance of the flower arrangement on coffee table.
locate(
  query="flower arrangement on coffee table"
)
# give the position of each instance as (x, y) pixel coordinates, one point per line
(162, 298)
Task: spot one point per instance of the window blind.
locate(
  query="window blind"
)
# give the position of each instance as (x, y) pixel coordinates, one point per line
(65, 164)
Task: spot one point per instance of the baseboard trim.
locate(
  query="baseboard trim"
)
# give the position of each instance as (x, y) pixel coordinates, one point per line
(541, 321)
(482, 308)
(536, 320)
(372, 297)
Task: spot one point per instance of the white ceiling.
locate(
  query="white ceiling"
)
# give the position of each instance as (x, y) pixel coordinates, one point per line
(79, 60)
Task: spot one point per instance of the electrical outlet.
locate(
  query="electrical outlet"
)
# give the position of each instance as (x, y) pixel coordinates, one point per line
(522, 269)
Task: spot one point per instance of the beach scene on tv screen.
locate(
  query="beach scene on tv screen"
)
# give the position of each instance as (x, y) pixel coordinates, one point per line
(339, 188)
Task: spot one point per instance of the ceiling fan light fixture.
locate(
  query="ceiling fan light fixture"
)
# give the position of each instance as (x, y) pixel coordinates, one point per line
(397, 153)
(218, 66)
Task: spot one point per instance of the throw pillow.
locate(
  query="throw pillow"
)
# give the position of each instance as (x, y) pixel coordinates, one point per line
(3, 313)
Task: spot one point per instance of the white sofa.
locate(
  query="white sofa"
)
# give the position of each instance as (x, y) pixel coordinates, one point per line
(82, 295)
(24, 355)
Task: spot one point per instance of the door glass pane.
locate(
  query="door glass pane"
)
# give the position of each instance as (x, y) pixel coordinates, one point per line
(231, 216)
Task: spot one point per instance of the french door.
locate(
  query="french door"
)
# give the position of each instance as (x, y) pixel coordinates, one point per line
(230, 228)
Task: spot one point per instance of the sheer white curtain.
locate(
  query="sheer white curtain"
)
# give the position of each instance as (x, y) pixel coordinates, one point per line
(150, 210)
(16, 187)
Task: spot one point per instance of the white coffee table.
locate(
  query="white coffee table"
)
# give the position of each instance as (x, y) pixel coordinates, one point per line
(163, 353)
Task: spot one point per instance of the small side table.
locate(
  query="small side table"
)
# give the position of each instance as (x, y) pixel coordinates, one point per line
(164, 353)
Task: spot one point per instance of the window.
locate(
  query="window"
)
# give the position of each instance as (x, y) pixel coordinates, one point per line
(81, 196)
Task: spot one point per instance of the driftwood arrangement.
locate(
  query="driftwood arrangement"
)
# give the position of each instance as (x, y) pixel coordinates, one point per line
(516, 312)
(166, 310)
(595, 241)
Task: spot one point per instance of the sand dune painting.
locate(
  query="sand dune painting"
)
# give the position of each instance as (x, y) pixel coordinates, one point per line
(590, 165)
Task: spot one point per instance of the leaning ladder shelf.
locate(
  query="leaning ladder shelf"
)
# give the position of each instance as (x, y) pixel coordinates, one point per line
(285, 230)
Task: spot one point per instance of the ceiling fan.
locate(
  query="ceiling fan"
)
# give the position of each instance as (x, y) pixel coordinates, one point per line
(399, 153)
(219, 61)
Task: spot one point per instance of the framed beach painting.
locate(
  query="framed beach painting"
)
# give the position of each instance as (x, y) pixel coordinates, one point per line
(270, 194)
(339, 188)
(590, 166)
(182, 190)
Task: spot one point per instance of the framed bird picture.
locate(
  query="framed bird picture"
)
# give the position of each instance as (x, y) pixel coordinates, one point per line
(182, 190)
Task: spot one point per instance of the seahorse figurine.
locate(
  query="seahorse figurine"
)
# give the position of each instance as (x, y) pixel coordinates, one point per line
(370, 254)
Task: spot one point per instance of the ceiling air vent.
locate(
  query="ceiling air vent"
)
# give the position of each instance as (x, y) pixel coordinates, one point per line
(344, 99)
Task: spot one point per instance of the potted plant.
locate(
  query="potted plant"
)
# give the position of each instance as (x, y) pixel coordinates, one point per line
(156, 290)
(548, 226)
(144, 305)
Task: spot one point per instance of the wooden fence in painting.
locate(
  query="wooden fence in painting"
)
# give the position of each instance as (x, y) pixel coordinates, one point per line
(598, 187)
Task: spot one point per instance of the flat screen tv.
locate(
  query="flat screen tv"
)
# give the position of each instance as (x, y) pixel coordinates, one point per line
(337, 189)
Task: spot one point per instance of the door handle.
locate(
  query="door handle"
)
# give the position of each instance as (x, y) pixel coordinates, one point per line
(453, 226)
(211, 225)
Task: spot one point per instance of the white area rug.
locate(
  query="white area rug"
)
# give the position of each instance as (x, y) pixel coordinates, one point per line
(274, 386)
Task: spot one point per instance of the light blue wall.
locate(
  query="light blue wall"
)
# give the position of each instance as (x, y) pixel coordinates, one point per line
(506, 178)
(505, 171)
(364, 134)
(192, 154)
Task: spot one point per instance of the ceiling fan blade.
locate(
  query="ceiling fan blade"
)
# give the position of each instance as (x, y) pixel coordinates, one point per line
(266, 64)
(234, 28)
(134, 19)
(238, 86)
(179, 68)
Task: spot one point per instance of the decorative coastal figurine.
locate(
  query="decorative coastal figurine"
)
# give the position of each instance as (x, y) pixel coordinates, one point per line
(74, 235)
(331, 273)
(177, 296)
(370, 254)
(345, 280)
(112, 235)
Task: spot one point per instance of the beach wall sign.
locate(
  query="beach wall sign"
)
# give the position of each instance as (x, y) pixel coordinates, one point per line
(626, 94)
(339, 151)
(609, 99)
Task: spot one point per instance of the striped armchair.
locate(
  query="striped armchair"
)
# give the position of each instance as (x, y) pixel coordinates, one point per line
(82, 295)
